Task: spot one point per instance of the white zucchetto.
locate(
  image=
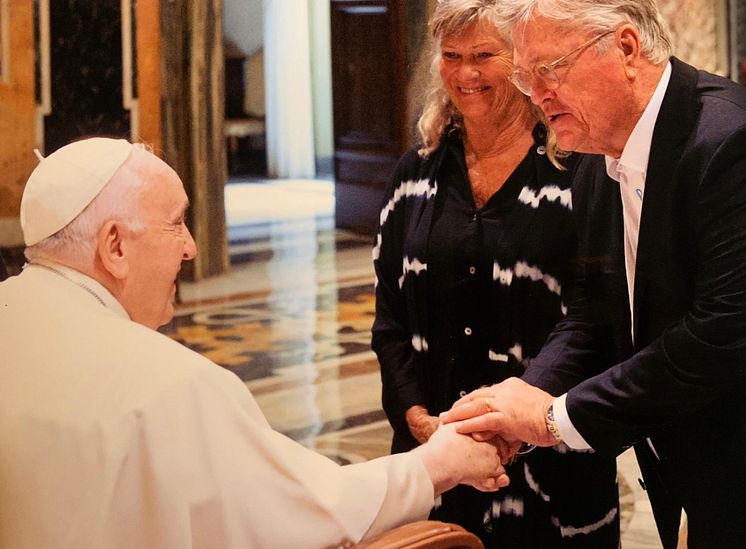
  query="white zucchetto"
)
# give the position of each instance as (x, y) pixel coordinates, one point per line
(66, 181)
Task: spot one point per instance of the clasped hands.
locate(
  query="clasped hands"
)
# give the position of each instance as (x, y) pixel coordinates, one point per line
(506, 415)
(513, 411)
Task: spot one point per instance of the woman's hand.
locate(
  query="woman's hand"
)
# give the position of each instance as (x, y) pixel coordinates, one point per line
(421, 424)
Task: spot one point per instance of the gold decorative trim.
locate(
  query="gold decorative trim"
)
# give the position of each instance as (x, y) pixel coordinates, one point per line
(129, 101)
(45, 107)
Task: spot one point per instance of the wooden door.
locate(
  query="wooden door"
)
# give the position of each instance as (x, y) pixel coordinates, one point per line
(369, 103)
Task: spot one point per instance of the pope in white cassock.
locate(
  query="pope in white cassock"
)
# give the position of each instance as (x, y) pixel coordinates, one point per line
(113, 435)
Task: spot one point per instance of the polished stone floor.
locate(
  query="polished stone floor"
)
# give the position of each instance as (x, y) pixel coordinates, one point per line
(292, 319)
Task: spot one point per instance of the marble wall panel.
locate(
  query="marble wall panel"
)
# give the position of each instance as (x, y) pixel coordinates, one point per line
(699, 32)
(86, 72)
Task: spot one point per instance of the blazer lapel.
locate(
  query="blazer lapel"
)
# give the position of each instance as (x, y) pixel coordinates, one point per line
(675, 121)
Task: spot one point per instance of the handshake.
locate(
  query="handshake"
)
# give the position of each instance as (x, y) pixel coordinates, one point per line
(483, 431)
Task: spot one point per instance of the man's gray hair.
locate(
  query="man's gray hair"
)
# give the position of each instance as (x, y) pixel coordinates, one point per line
(596, 16)
(118, 200)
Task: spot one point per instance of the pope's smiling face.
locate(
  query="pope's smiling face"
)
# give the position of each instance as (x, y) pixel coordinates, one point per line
(156, 252)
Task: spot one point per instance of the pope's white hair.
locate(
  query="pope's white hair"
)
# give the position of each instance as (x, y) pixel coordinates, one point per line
(596, 16)
(118, 200)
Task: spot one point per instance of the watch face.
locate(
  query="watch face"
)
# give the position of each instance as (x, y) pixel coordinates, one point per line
(551, 425)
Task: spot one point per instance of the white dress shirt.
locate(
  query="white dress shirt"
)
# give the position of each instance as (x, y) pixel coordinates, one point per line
(629, 170)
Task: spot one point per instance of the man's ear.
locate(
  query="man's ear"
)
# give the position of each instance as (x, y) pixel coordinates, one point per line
(112, 249)
(628, 43)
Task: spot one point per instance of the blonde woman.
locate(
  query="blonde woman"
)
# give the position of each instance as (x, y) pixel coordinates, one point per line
(473, 260)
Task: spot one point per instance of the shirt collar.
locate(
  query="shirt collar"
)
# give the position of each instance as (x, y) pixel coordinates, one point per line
(86, 282)
(636, 151)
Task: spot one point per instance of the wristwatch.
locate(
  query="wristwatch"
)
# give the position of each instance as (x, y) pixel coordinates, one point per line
(552, 425)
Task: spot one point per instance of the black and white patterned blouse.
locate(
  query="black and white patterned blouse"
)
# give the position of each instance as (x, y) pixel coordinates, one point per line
(464, 298)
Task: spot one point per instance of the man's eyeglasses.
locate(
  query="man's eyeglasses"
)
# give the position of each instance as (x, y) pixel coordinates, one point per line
(523, 79)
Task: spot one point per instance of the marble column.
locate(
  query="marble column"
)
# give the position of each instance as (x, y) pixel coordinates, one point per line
(700, 31)
(192, 102)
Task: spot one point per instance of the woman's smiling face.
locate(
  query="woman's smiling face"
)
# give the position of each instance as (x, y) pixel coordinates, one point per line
(474, 67)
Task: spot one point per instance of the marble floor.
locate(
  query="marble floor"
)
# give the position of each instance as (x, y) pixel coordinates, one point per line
(292, 319)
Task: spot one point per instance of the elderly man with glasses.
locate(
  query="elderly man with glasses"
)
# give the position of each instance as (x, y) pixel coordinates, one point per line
(652, 351)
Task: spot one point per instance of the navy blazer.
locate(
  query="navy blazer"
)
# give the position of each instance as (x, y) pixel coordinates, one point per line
(682, 383)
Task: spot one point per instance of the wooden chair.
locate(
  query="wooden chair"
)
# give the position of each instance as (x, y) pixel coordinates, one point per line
(425, 534)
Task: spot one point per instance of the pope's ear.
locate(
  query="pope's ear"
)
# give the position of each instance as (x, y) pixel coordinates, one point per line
(110, 246)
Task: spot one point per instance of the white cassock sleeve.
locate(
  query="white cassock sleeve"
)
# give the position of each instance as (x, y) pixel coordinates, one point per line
(206, 464)
(113, 436)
